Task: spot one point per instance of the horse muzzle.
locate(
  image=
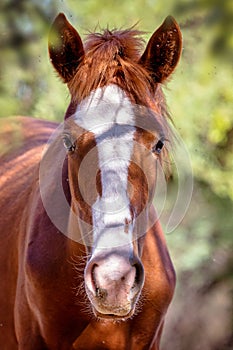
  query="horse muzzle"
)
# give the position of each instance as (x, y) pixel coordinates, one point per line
(113, 284)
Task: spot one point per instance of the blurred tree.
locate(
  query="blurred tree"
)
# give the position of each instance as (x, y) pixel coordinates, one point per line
(217, 17)
(24, 60)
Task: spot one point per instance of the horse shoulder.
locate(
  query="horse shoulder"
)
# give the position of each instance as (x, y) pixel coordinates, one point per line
(22, 141)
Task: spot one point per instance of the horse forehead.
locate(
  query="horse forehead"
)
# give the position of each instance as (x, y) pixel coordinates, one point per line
(106, 112)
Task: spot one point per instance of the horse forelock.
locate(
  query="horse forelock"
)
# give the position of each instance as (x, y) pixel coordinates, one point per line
(112, 57)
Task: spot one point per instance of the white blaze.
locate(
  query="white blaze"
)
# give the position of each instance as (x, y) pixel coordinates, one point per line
(108, 114)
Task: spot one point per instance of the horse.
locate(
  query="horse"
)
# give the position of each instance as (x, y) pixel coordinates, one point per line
(93, 273)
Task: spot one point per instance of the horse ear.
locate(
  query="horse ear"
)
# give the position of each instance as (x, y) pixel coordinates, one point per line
(65, 48)
(163, 50)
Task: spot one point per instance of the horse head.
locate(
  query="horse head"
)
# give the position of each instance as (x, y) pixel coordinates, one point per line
(115, 135)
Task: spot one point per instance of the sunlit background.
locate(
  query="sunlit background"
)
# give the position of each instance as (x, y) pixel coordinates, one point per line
(200, 97)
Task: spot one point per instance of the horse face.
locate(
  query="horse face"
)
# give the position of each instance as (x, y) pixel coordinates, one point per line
(111, 166)
(111, 173)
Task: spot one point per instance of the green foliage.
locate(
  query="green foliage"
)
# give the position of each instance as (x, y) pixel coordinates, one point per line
(28, 85)
(217, 17)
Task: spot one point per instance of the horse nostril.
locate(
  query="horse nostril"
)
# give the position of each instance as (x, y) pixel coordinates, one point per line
(90, 278)
(139, 275)
(93, 277)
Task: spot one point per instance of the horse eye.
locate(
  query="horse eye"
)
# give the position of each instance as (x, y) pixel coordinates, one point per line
(158, 147)
(69, 145)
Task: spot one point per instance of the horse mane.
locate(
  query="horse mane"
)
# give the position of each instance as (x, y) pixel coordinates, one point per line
(112, 57)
